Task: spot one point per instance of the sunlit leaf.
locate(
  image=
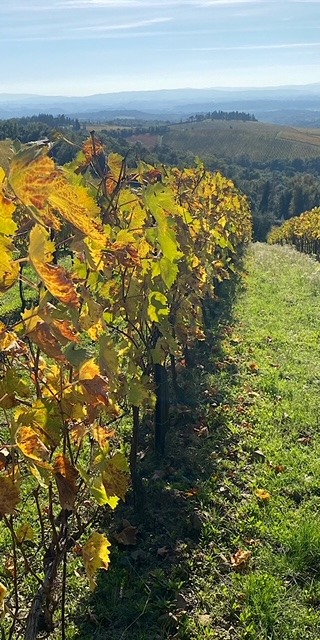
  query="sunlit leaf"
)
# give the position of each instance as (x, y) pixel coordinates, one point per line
(54, 277)
(3, 595)
(96, 555)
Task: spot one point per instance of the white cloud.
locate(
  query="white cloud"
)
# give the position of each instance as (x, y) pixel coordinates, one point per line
(117, 4)
(257, 47)
(120, 27)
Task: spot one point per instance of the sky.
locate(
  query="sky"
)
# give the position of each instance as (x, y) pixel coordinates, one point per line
(83, 47)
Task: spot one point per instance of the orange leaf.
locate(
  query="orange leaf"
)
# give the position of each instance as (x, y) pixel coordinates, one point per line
(94, 383)
(32, 175)
(54, 278)
(102, 435)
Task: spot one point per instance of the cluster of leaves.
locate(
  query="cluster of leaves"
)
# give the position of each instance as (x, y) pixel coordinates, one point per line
(121, 265)
(302, 231)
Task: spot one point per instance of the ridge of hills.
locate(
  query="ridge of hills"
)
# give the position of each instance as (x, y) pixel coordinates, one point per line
(288, 104)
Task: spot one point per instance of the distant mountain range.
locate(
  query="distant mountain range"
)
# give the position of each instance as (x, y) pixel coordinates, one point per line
(297, 105)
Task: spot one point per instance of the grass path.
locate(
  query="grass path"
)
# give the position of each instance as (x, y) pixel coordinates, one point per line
(228, 543)
(267, 519)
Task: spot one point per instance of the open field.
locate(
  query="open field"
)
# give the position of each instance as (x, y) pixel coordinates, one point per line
(232, 139)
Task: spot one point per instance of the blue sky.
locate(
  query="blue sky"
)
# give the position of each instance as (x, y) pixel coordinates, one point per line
(81, 47)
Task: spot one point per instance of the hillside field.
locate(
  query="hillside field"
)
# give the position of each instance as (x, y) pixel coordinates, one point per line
(4, 152)
(233, 139)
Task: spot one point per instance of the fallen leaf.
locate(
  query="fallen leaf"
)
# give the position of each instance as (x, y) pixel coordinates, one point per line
(240, 559)
(253, 367)
(204, 619)
(279, 468)
(259, 455)
(128, 535)
(263, 495)
(162, 552)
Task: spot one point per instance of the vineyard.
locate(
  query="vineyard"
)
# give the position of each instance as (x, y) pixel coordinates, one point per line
(116, 270)
(259, 141)
(303, 232)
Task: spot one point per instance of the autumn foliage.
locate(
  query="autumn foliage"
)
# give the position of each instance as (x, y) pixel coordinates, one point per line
(121, 272)
(302, 232)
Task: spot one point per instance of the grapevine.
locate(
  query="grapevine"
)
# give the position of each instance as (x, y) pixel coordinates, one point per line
(121, 262)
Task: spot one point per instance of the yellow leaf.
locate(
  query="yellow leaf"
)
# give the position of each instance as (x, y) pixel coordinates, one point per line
(115, 479)
(263, 495)
(9, 495)
(32, 174)
(54, 277)
(7, 208)
(99, 493)
(102, 435)
(77, 207)
(31, 445)
(96, 555)
(9, 269)
(25, 532)
(3, 595)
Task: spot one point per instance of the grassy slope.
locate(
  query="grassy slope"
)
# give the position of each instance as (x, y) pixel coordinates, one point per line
(261, 142)
(256, 428)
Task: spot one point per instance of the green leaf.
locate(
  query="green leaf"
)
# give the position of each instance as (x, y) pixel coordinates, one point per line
(169, 271)
(158, 306)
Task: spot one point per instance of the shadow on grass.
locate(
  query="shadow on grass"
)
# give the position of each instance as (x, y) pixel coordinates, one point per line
(147, 591)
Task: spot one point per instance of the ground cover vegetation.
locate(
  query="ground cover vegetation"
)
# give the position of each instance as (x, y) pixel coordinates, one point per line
(124, 264)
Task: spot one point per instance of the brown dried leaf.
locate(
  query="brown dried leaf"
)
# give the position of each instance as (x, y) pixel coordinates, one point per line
(240, 559)
(47, 342)
(94, 383)
(66, 476)
(128, 535)
(9, 495)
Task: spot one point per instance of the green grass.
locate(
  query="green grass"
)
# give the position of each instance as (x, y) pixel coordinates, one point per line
(260, 141)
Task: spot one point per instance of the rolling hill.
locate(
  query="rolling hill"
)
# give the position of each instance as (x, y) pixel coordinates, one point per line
(261, 142)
